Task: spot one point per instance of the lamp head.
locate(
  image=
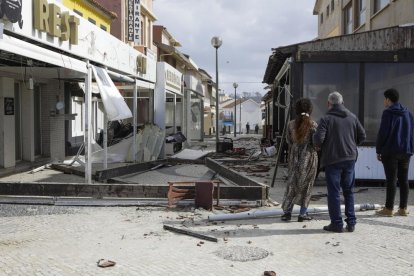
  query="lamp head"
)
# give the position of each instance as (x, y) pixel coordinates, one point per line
(216, 42)
(235, 85)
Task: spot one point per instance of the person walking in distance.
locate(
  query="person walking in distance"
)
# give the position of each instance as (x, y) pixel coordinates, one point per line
(338, 134)
(247, 128)
(394, 146)
(302, 161)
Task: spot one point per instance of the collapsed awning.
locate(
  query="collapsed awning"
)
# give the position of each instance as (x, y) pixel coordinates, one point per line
(114, 103)
(29, 50)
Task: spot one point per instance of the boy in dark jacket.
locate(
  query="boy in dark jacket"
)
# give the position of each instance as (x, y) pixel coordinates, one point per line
(395, 145)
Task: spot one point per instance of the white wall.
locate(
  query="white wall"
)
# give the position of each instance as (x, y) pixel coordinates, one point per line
(7, 127)
(159, 100)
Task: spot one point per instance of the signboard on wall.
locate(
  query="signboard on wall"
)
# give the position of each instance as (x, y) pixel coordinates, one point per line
(52, 24)
(12, 11)
(8, 106)
(134, 23)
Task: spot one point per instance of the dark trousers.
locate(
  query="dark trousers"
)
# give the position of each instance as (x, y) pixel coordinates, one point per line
(396, 169)
(341, 175)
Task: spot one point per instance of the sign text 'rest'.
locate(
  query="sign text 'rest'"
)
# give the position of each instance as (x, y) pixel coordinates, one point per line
(49, 18)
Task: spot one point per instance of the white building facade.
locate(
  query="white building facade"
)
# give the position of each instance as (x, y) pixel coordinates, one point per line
(40, 58)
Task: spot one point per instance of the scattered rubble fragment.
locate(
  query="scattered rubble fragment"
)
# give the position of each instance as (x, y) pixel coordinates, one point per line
(105, 263)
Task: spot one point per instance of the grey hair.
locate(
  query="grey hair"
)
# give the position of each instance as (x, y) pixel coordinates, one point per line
(335, 98)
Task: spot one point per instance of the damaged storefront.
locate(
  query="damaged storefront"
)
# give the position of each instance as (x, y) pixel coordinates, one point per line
(361, 67)
(194, 102)
(168, 103)
(46, 65)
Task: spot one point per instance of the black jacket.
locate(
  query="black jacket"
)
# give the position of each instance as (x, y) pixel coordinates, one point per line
(338, 134)
(396, 133)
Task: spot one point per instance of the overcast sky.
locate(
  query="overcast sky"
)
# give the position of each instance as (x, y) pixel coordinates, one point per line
(248, 28)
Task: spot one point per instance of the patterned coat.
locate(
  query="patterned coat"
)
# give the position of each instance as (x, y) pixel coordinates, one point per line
(302, 168)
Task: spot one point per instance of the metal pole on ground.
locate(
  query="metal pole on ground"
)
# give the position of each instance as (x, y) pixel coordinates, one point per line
(279, 212)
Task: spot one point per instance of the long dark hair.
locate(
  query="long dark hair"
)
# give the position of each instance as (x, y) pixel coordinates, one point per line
(303, 122)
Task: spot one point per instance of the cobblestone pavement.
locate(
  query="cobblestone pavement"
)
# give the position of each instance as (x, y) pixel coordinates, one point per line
(57, 240)
(53, 240)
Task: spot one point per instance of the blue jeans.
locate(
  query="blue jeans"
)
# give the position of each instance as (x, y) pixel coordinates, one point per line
(341, 175)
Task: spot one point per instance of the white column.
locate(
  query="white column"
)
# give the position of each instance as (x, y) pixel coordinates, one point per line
(135, 122)
(88, 120)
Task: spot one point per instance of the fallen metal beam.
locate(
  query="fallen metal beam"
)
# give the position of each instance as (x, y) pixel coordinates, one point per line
(128, 168)
(241, 180)
(110, 202)
(120, 190)
(190, 233)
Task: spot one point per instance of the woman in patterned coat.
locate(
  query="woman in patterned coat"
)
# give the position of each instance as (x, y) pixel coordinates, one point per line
(303, 161)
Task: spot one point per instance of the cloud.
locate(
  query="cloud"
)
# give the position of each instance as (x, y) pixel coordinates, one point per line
(249, 30)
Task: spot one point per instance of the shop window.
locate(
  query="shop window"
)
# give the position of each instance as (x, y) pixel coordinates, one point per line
(142, 32)
(321, 79)
(360, 12)
(78, 12)
(92, 21)
(348, 27)
(380, 4)
(149, 28)
(378, 78)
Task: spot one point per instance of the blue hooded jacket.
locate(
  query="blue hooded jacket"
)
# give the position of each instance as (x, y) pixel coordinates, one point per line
(396, 133)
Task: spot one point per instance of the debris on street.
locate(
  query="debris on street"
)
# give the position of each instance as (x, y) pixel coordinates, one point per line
(105, 263)
(190, 233)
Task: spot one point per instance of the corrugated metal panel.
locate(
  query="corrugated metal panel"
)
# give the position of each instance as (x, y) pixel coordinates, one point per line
(368, 167)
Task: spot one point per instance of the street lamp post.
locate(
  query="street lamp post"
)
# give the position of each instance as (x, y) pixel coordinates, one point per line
(235, 85)
(216, 43)
(240, 126)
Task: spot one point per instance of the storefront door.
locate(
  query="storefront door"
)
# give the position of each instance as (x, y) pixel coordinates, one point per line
(37, 128)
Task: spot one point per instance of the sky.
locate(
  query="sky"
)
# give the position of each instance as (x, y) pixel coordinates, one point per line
(249, 30)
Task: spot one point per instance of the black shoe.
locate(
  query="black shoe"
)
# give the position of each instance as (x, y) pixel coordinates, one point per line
(350, 228)
(302, 218)
(333, 228)
(286, 217)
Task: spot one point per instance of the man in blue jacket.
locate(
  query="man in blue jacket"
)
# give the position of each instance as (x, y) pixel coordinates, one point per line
(338, 134)
(395, 145)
